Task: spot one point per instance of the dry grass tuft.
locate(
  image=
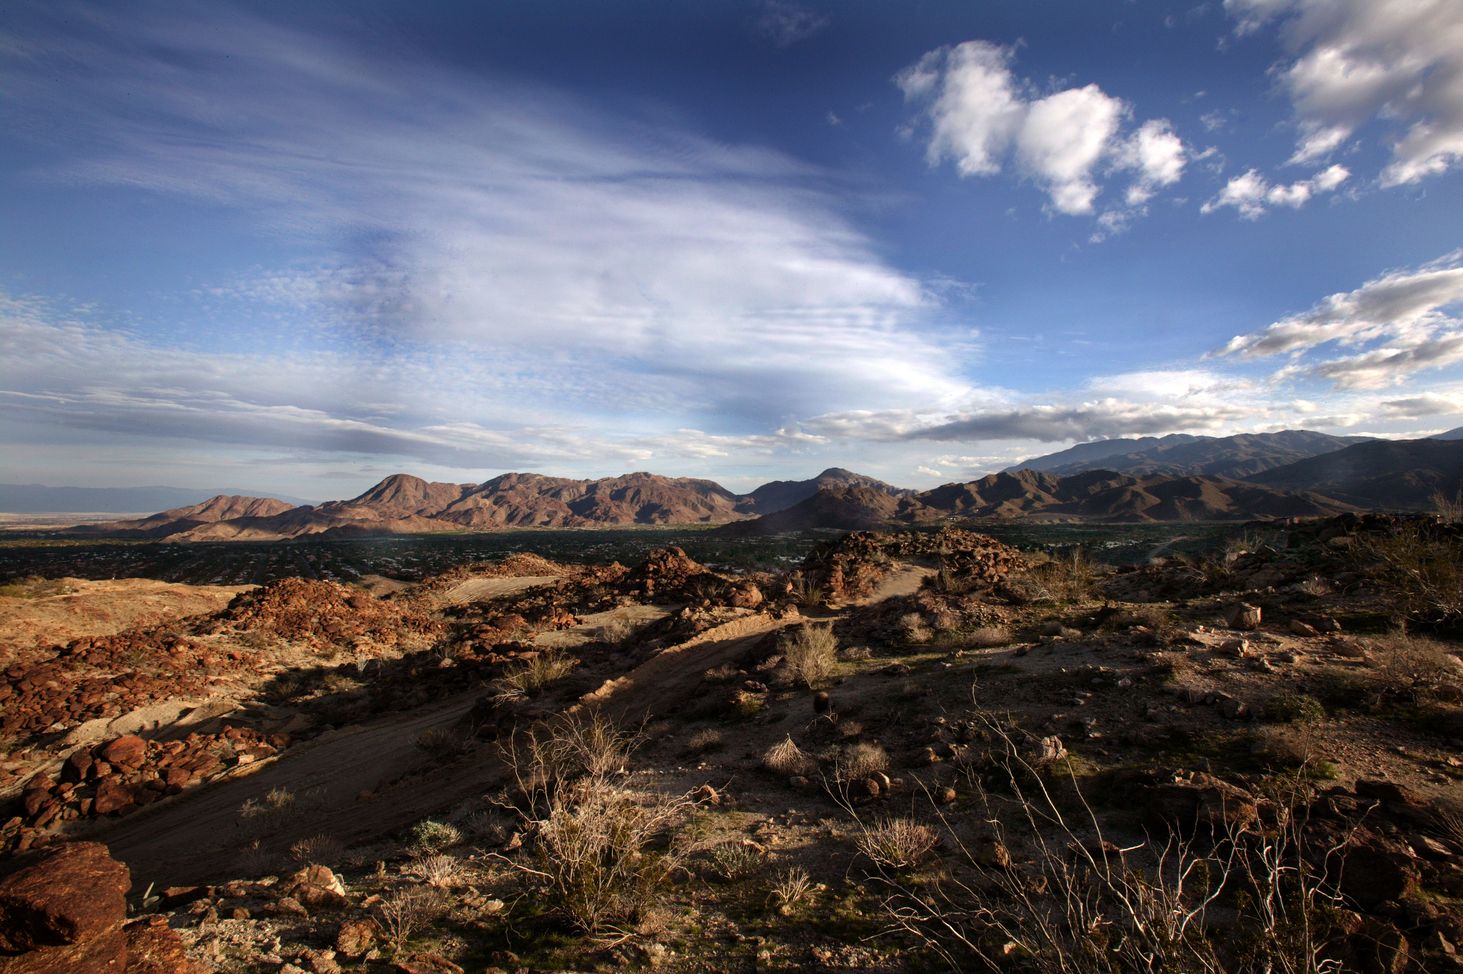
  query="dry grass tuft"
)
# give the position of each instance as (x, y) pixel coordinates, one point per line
(786, 758)
(861, 760)
(534, 674)
(897, 843)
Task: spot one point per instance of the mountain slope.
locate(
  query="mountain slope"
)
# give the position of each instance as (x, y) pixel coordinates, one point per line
(845, 507)
(1237, 457)
(1400, 474)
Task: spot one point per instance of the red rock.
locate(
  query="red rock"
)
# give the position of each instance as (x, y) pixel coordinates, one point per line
(75, 893)
(126, 752)
(103, 954)
(112, 796)
(155, 948)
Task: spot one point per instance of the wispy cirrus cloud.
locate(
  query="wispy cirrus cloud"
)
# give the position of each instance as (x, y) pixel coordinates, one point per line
(1393, 326)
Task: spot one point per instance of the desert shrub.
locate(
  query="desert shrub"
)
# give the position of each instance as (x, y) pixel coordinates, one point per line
(855, 654)
(1070, 902)
(600, 851)
(441, 742)
(1294, 708)
(985, 637)
(913, 628)
(534, 674)
(809, 654)
(270, 810)
(34, 587)
(317, 850)
(430, 835)
(861, 760)
(1415, 668)
(808, 593)
(733, 862)
(616, 631)
(705, 740)
(745, 703)
(1061, 578)
(789, 890)
(407, 912)
(1419, 570)
(897, 843)
(437, 870)
(1448, 508)
(786, 758)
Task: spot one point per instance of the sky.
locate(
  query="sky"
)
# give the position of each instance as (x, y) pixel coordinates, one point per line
(298, 247)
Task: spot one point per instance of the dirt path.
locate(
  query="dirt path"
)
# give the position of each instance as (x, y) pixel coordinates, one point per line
(904, 581)
(199, 837)
(665, 681)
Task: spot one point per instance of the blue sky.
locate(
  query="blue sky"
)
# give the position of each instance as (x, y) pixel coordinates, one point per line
(297, 247)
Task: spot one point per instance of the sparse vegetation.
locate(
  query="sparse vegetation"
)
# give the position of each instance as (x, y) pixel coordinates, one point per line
(897, 843)
(810, 654)
(1420, 571)
(1063, 578)
(533, 674)
(705, 740)
(786, 758)
(431, 836)
(790, 889)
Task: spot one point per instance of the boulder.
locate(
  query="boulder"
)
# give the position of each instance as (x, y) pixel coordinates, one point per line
(153, 947)
(316, 886)
(72, 895)
(125, 752)
(1201, 801)
(1244, 616)
(112, 796)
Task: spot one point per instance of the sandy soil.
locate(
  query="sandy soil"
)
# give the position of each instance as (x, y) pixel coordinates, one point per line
(101, 608)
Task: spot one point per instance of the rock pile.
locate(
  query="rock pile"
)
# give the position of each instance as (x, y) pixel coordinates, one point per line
(118, 776)
(850, 567)
(326, 615)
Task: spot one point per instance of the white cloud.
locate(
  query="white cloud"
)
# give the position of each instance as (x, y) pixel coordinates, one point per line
(1400, 323)
(980, 115)
(1355, 62)
(1252, 194)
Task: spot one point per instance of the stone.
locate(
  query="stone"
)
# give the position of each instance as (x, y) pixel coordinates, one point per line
(1243, 616)
(355, 937)
(129, 752)
(1198, 801)
(316, 886)
(822, 703)
(1377, 869)
(73, 894)
(112, 796)
(155, 948)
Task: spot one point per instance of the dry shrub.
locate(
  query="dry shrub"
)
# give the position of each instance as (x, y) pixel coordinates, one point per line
(616, 631)
(897, 843)
(407, 912)
(789, 890)
(437, 870)
(443, 742)
(534, 674)
(807, 593)
(861, 760)
(1060, 578)
(1416, 668)
(705, 740)
(735, 861)
(430, 835)
(986, 637)
(786, 758)
(1448, 509)
(1070, 902)
(317, 850)
(912, 626)
(1419, 570)
(601, 852)
(809, 654)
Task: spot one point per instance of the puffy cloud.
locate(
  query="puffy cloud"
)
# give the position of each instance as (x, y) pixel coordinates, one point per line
(1399, 323)
(980, 115)
(1399, 62)
(1252, 194)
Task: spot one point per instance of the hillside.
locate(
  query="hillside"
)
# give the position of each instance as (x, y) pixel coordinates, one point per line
(1237, 457)
(1397, 474)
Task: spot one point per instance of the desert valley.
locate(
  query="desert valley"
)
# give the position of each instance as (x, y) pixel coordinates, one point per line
(731, 487)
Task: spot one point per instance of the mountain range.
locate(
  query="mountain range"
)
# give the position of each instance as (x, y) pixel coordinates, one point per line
(1171, 478)
(1238, 457)
(45, 499)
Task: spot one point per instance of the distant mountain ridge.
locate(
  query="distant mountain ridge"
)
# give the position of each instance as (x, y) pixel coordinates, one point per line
(1237, 457)
(1399, 474)
(403, 504)
(42, 499)
(1100, 495)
